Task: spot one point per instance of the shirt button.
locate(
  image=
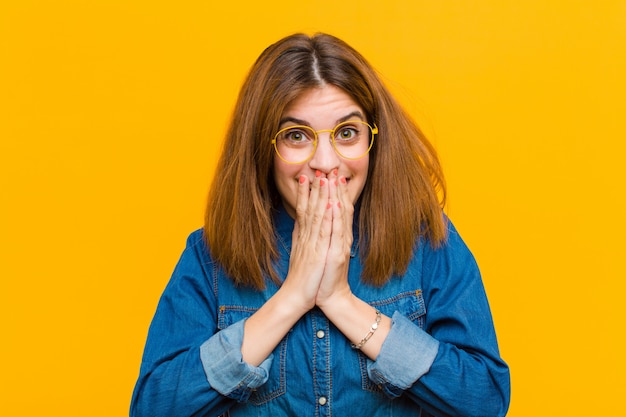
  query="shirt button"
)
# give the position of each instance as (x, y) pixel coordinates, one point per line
(322, 401)
(320, 334)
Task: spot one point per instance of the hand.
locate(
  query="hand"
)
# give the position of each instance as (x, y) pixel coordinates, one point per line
(311, 240)
(334, 281)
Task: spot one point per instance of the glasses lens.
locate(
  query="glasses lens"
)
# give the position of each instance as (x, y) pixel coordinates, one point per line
(353, 140)
(295, 144)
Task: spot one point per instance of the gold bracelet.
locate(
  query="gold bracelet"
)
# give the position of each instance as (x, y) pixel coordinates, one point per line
(369, 334)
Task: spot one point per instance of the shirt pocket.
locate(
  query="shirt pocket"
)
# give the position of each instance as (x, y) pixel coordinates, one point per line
(411, 305)
(275, 385)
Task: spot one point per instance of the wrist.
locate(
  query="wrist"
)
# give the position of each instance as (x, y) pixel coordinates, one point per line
(370, 333)
(337, 302)
(293, 302)
(361, 323)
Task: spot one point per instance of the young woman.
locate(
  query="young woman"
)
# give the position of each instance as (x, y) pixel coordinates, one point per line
(327, 280)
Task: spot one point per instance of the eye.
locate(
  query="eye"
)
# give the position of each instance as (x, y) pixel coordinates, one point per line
(296, 135)
(347, 134)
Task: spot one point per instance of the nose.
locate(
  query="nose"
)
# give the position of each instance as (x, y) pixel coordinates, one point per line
(325, 157)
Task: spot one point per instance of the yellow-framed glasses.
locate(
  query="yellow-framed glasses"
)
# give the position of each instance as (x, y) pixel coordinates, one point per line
(351, 140)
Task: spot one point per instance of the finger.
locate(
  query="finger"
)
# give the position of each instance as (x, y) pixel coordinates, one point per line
(325, 229)
(347, 207)
(321, 215)
(333, 190)
(314, 196)
(315, 210)
(338, 227)
(344, 195)
(333, 205)
(342, 190)
(302, 200)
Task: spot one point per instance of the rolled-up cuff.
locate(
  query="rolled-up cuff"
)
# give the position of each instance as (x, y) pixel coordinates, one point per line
(225, 368)
(407, 353)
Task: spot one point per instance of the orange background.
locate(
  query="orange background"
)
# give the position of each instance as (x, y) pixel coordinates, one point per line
(111, 118)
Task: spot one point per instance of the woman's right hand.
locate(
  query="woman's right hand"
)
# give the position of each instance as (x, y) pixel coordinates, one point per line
(310, 240)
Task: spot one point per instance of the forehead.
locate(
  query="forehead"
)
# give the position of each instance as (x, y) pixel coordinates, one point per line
(321, 103)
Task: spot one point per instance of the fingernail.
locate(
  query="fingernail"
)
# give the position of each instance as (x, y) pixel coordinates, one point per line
(339, 204)
(318, 173)
(328, 206)
(335, 171)
(336, 182)
(302, 179)
(343, 180)
(322, 181)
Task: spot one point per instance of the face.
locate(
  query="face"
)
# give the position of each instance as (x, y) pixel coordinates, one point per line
(320, 108)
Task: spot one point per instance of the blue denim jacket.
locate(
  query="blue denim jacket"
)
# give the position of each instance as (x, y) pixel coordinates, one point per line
(440, 357)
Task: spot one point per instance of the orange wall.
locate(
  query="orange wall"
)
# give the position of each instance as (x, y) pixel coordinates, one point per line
(111, 116)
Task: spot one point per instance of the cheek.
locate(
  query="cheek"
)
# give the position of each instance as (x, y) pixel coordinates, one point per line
(284, 178)
(359, 171)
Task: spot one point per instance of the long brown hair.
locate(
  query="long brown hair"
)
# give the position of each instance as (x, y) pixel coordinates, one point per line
(404, 194)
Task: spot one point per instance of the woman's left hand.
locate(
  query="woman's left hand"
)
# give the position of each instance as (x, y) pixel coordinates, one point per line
(335, 278)
(347, 312)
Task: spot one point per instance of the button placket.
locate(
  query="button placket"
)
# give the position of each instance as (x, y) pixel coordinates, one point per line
(321, 360)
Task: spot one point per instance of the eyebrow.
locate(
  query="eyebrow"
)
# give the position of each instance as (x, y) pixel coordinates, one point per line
(305, 123)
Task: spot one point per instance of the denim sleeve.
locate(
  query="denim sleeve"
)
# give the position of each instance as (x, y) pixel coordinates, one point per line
(390, 370)
(224, 366)
(451, 367)
(177, 372)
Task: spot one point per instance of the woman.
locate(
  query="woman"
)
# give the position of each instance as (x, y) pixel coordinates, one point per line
(327, 280)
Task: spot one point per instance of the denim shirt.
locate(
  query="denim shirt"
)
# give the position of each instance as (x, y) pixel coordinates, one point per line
(440, 357)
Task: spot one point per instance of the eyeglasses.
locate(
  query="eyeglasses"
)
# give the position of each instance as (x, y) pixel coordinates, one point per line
(351, 140)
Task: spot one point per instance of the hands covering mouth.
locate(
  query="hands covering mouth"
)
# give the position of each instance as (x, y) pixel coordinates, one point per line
(322, 238)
